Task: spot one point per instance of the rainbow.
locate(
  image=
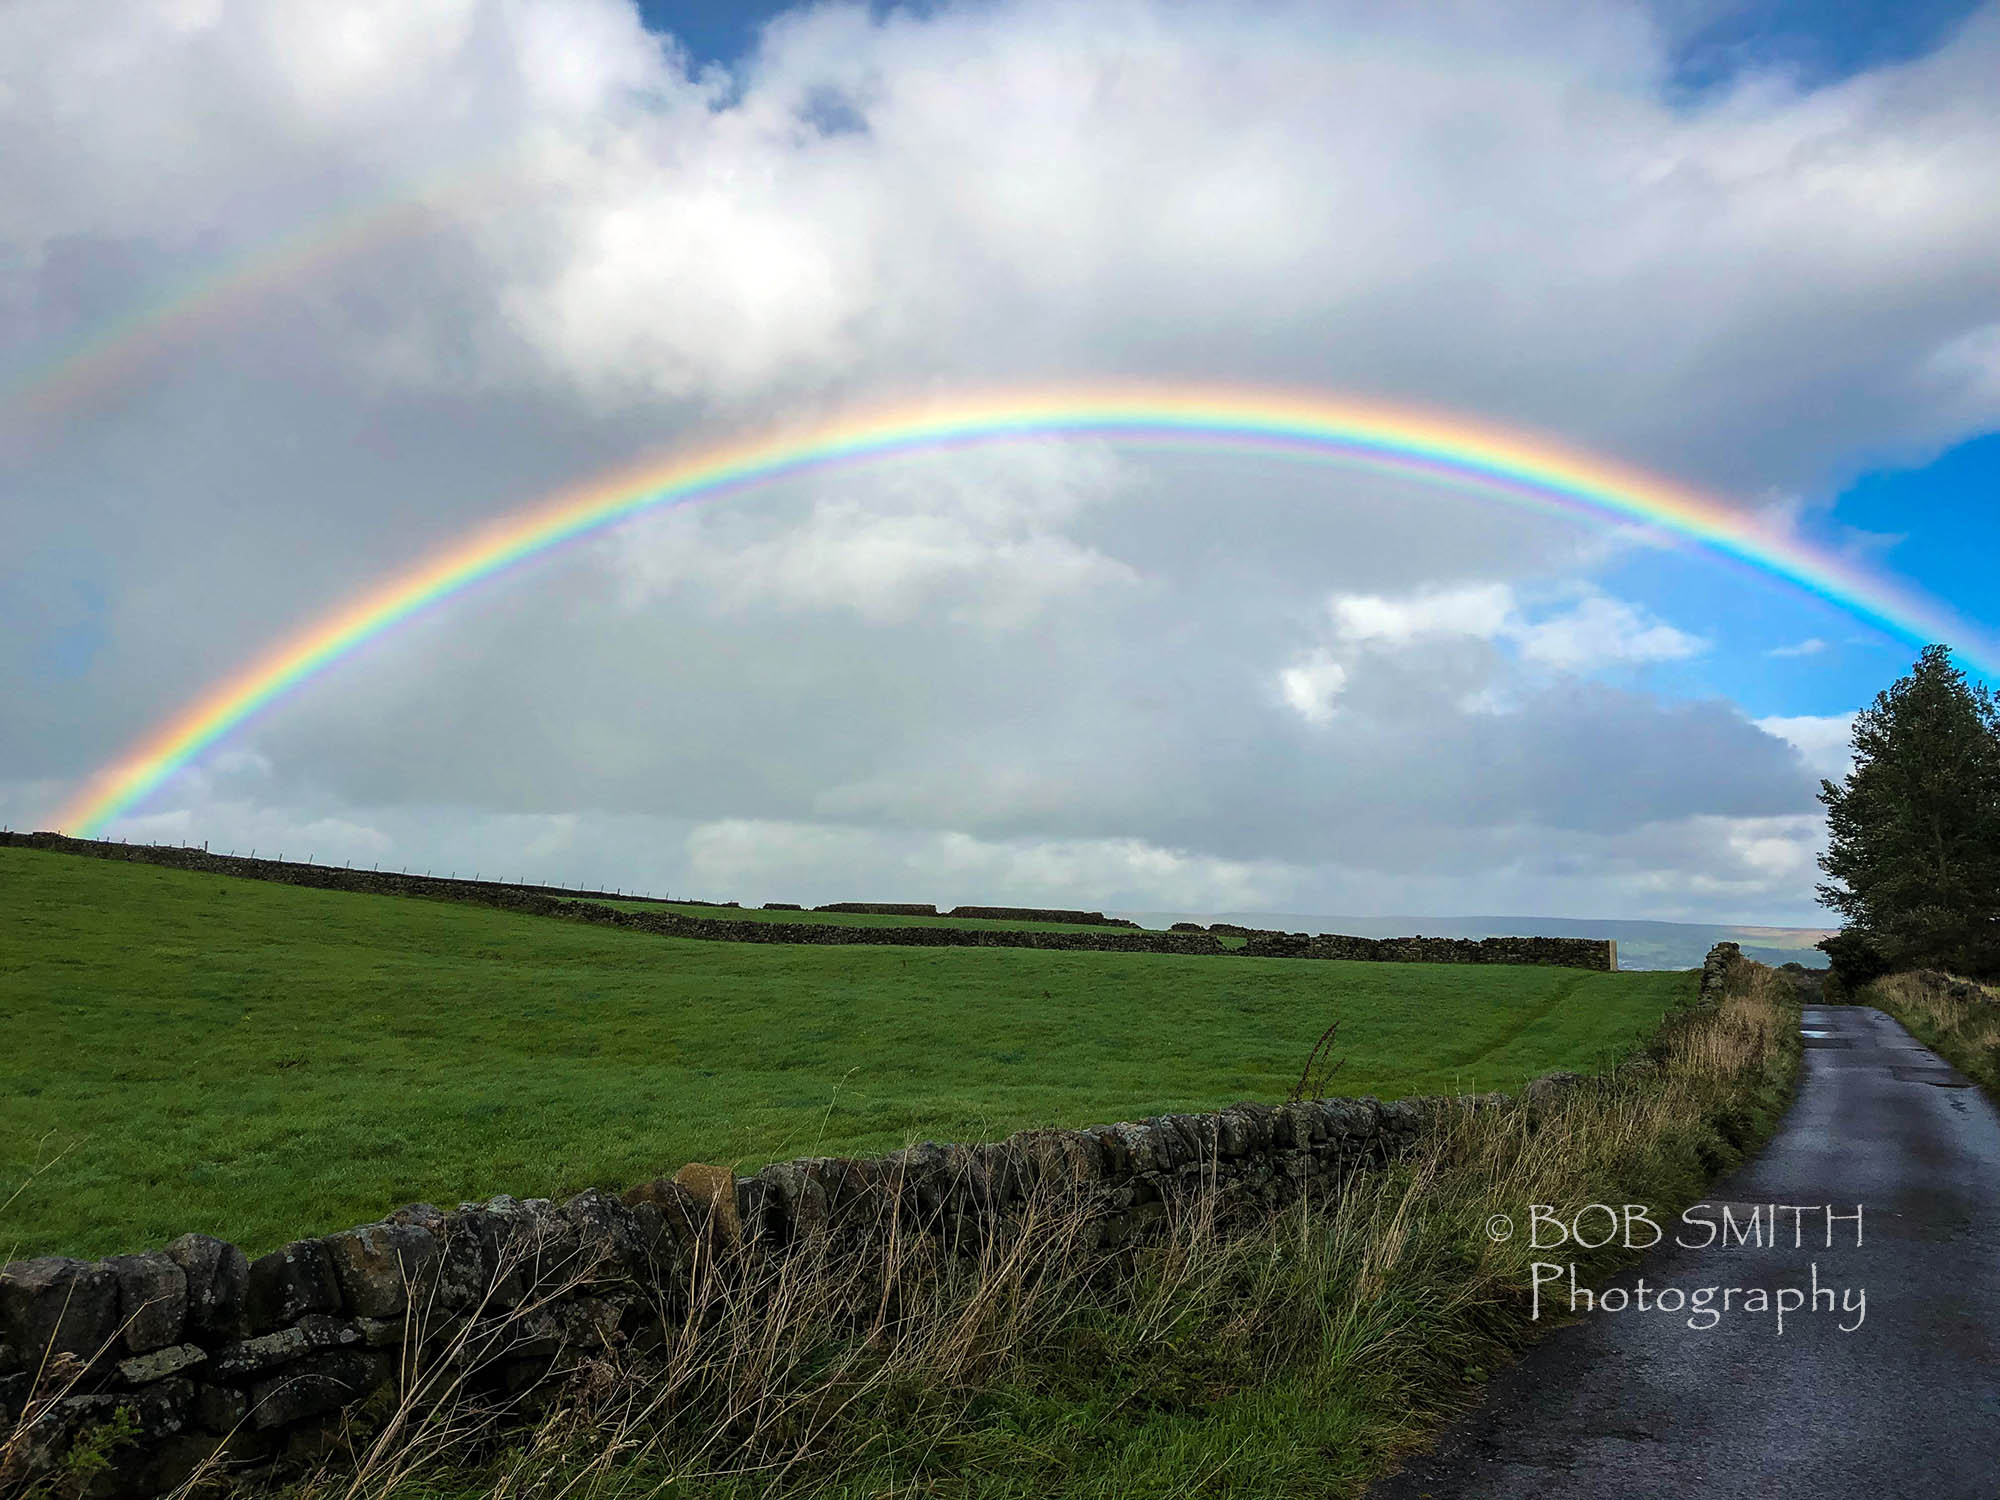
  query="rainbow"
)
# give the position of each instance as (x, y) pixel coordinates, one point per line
(112, 351)
(1511, 466)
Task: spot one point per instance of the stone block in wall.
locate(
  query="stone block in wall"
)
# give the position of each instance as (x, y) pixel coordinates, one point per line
(289, 1283)
(152, 1299)
(1206, 1133)
(219, 1408)
(542, 1334)
(463, 1274)
(538, 1333)
(918, 1175)
(1403, 1117)
(591, 1324)
(158, 1364)
(1113, 1151)
(382, 1333)
(1142, 1151)
(968, 1180)
(382, 1269)
(1251, 1125)
(1005, 1176)
(1203, 1136)
(504, 1238)
(714, 1191)
(315, 1386)
(218, 1276)
(682, 1217)
(609, 1244)
(1235, 1133)
(791, 1205)
(57, 1305)
(665, 1260)
(1351, 1117)
(1296, 1167)
(1170, 1148)
(1059, 1160)
(861, 1191)
(313, 1333)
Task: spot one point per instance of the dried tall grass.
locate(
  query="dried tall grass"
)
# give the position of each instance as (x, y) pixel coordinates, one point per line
(1958, 1017)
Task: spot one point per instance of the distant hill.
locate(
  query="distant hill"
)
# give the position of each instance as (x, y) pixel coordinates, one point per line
(1641, 945)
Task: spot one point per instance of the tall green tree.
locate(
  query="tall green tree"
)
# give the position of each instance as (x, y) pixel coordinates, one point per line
(1914, 830)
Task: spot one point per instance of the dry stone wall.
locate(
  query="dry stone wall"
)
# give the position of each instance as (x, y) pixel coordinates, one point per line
(1723, 968)
(1580, 953)
(1563, 952)
(1041, 914)
(882, 908)
(204, 1350)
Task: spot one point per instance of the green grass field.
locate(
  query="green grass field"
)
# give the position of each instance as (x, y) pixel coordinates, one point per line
(259, 1061)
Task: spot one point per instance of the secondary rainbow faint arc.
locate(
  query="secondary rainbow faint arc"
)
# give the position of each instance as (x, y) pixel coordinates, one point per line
(1520, 469)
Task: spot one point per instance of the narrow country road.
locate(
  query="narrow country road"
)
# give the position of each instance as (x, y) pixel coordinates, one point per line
(1630, 1403)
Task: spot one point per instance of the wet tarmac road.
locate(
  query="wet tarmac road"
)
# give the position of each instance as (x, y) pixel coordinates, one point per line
(1907, 1404)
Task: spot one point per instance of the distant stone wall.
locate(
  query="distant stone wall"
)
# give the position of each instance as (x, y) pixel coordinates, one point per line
(206, 1350)
(1041, 914)
(882, 908)
(548, 901)
(1576, 953)
(328, 877)
(1722, 969)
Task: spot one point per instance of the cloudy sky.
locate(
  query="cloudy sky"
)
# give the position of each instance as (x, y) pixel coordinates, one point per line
(292, 296)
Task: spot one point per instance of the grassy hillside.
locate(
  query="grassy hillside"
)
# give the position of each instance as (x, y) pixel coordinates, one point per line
(258, 1061)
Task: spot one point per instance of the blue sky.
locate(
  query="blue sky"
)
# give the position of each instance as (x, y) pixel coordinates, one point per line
(711, 32)
(1936, 525)
(1818, 40)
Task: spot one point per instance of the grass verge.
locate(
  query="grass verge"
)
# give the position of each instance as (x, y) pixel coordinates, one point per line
(1298, 1357)
(1959, 1019)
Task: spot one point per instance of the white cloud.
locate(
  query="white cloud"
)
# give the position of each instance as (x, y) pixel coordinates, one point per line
(1597, 631)
(1824, 742)
(1481, 611)
(1810, 646)
(1602, 632)
(1311, 684)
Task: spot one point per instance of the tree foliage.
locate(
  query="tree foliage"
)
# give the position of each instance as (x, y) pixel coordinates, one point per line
(1914, 830)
